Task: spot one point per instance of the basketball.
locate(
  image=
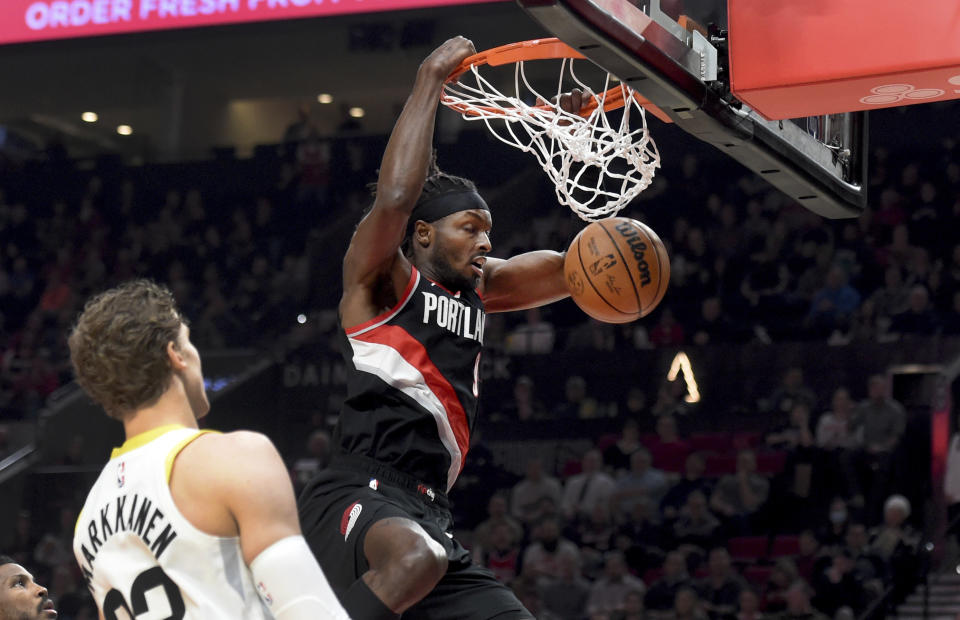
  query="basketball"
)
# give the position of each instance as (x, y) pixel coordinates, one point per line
(617, 270)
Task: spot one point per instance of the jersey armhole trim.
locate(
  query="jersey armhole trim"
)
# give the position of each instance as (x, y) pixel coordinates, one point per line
(386, 316)
(172, 455)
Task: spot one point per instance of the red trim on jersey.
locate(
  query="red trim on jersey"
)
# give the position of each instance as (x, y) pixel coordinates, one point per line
(415, 354)
(449, 292)
(384, 315)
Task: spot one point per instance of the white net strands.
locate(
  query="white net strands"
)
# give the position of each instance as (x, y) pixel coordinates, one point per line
(597, 166)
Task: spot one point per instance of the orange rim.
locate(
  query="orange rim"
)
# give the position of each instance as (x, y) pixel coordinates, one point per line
(540, 49)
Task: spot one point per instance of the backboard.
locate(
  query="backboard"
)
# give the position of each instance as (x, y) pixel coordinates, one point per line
(683, 68)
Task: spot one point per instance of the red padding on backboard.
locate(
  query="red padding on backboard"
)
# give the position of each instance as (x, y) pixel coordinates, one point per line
(790, 59)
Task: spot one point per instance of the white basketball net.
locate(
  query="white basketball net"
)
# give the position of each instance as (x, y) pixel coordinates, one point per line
(576, 152)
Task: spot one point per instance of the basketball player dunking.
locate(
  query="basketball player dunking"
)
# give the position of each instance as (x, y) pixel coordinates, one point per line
(416, 284)
(203, 522)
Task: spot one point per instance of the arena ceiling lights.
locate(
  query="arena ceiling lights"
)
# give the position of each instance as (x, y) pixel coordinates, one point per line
(23, 21)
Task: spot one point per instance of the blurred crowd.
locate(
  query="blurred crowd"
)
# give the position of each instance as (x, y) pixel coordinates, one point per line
(804, 520)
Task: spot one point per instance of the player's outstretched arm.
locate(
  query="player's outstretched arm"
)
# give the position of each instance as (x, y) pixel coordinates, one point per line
(534, 278)
(242, 486)
(525, 281)
(374, 249)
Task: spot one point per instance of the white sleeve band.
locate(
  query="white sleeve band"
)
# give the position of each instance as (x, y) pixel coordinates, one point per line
(291, 584)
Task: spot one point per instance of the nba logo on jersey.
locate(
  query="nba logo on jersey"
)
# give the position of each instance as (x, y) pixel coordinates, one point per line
(121, 466)
(374, 484)
(264, 594)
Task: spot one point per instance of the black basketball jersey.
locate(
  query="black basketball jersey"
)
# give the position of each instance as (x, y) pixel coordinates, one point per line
(413, 382)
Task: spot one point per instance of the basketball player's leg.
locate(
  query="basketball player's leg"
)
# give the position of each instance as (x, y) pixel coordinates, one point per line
(405, 562)
(376, 556)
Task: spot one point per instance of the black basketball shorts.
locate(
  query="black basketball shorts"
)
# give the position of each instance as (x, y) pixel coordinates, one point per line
(341, 503)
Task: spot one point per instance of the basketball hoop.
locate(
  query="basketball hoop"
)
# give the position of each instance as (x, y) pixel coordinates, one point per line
(580, 153)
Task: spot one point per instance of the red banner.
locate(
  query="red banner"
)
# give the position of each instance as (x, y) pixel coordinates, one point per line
(37, 20)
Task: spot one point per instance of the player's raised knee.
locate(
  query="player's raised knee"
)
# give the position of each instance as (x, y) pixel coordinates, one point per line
(424, 561)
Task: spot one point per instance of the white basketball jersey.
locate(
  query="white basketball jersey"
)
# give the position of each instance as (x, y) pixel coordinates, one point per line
(140, 556)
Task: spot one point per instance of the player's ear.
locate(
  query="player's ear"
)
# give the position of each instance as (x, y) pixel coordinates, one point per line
(173, 355)
(422, 233)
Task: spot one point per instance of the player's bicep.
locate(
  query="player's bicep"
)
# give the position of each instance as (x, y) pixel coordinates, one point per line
(258, 492)
(524, 281)
(375, 245)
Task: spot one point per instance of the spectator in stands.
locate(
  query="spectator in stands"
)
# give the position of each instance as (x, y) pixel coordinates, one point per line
(501, 555)
(810, 558)
(837, 586)
(528, 591)
(578, 403)
(880, 421)
(595, 535)
(803, 465)
(919, 318)
(748, 605)
(641, 538)
(738, 497)
(835, 427)
(894, 535)
(528, 496)
(567, 596)
(893, 297)
(798, 603)
(21, 598)
(590, 487)
(713, 326)
(635, 402)
(868, 569)
(609, 592)
(834, 529)
(496, 515)
(833, 306)
(642, 482)
(687, 605)
(662, 593)
(667, 332)
(535, 336)
(797, 433)
(542, 559)
(696, 526)
(720, 589)
(692, 480)
(524, 405)
(632, 608)
(669, 450)
(791, 390)
(783, 574)
(616, 456)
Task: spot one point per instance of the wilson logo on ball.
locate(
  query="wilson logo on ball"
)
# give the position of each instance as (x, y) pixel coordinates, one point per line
(638, 247)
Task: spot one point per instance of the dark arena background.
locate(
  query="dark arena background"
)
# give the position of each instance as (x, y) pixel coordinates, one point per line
(227, 155)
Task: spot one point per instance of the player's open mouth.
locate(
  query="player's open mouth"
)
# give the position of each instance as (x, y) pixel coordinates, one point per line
(48, 607)
(477, 265)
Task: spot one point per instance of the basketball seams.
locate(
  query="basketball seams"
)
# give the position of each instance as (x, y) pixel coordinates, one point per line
(626, 265)
(586, 276)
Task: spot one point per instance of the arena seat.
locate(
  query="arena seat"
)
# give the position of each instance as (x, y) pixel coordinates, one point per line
(784, 545)
(747, 548)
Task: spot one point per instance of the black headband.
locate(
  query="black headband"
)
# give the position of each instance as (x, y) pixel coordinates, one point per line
(448, 203)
